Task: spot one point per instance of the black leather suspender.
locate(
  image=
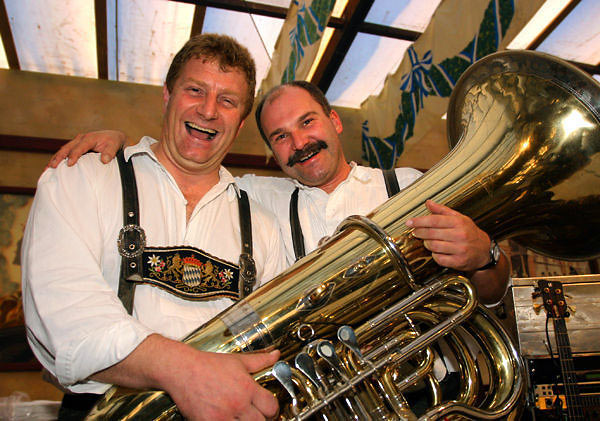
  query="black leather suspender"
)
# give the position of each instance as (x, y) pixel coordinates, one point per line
(246, 263)
(391, 185)
(391, 182)
(297, 236)
(132, 239)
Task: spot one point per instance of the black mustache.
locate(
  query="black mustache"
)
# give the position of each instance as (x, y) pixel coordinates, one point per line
(305, 151)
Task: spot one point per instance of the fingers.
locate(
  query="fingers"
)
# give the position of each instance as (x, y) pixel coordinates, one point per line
(263, 400)
(259, 360)
(251, 414)
(107, 142)
(64, 151)
(437, 209)
(323, 240)
(453, 238)
(443, 224)
(265, 403)
(221, 386)
(109, 152)
(81, 144)
(434, 221)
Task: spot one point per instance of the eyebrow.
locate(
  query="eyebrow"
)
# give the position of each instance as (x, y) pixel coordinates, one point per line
(202, 83)
(280, 129)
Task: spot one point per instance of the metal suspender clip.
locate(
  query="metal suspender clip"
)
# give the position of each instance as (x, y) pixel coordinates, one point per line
(131, 241)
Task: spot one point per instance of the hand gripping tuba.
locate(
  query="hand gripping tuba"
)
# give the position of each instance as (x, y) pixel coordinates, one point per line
(362, 320)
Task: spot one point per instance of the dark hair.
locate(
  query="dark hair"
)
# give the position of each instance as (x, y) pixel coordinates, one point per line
(226, 51)
(312, 89)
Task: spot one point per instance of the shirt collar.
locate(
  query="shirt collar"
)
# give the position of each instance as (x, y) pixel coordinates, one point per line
(143, 146)
(357, 172)
(225, 178)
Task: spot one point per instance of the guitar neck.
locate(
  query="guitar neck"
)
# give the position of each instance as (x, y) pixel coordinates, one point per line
(574, 406)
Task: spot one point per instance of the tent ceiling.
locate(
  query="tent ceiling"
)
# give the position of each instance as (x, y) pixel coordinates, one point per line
(134, 40)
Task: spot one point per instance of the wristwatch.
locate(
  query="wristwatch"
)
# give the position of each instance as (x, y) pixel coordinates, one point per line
(494, 256)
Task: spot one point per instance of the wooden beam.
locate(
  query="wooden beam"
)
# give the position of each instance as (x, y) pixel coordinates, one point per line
(198, 22)
(354, 14)
(281, 13)
(50, 145)
(30, 191)
(7, 39)
(30, 144)
(552, 26)
(388, 31)
(241, 6)
(101, 38)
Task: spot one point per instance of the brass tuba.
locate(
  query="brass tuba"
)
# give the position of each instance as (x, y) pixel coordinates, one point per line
(362, 320)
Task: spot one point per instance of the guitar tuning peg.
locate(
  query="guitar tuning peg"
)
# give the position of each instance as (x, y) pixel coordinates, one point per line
(537, 308)
(572, 308)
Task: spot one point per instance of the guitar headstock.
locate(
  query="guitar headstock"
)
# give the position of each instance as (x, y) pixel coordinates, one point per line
(553, 298)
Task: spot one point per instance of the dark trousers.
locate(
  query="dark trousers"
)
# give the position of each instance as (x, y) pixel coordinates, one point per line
(75, 407)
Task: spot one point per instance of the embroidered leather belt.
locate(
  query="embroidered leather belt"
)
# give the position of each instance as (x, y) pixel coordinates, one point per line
(187, 272)
(190, 273)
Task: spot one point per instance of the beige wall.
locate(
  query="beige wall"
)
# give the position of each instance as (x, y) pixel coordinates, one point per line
(60, 107)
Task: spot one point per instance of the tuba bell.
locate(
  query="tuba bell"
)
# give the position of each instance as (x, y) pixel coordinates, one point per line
(363, 321)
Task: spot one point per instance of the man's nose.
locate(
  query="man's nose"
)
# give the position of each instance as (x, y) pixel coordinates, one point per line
(299, 140)
(207, 108)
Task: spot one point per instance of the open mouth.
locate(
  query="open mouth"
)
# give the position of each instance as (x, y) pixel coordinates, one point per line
(307, 156)
(193, 128)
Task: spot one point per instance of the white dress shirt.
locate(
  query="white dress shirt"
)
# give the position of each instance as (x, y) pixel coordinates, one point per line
(320, 213)
(76, 324)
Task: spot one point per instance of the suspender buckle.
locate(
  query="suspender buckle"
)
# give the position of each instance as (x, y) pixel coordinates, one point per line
(247, 273)
(131, 241)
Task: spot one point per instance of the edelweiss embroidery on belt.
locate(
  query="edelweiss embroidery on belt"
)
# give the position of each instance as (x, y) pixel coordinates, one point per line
(190, 273)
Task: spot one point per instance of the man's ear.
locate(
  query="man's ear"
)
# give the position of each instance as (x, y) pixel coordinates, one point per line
(240, 128)
(166, 96)
(337, 121)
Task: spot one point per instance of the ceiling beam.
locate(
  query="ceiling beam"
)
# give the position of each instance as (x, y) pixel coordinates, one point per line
(552, 26)
(7, 39)
(241, 6)
(198, 21)
(353, 16)
(281, 13)
(388, 31)
(101, 38)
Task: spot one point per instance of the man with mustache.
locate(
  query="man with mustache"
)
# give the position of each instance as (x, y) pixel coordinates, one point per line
(299, 125)
(195, 223)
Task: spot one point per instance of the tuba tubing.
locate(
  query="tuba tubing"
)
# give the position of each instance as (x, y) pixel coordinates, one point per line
(525, 164)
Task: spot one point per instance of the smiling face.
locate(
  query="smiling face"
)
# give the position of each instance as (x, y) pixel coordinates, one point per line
(304, 138)
(203, 115)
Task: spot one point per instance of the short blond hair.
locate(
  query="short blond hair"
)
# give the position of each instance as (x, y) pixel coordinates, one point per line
(223, 49)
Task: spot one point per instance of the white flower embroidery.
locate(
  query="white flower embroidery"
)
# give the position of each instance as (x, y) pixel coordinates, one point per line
(227, 273)
(153, 260)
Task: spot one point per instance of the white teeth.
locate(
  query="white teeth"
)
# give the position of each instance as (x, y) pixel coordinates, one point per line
(210, 132)
(307, 157)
